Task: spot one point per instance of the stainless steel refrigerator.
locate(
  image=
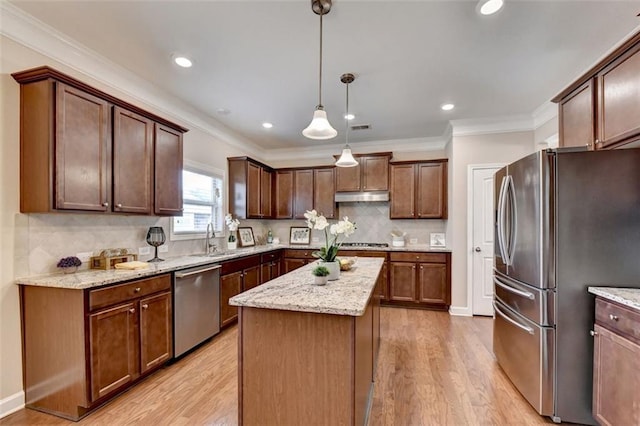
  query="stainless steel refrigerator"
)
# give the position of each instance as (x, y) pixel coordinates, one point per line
(565, 220)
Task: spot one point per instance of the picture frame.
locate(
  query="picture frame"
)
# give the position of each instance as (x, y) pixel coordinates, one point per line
(245, 236)
(437, 240)
(300, 235)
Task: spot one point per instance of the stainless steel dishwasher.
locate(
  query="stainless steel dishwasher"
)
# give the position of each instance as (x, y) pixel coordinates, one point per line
(196, 306)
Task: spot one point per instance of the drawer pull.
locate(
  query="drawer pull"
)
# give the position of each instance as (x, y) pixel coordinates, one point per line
(145, 306)
(137, 290)
(613, 317)
(593, 333)
(132, 310)
(105, 204)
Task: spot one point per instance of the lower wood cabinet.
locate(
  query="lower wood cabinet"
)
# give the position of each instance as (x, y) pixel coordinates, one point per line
(616, 364)
(81, 347)
(270, 266)
(382, 288)
(419, 279)
(296, 258)
(237, 276)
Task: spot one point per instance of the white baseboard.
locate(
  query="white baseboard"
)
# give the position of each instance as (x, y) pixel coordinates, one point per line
(11, 404)
(461, 311)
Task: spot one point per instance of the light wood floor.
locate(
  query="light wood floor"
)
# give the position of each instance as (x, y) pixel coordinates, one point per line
(434, 369)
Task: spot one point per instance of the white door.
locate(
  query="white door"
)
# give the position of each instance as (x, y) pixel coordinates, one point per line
(482, 239)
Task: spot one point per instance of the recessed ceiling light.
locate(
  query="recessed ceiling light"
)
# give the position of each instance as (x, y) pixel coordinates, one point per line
(447, 107)
(267, 125)
(489, 7)
(183, 62)
(349, 116)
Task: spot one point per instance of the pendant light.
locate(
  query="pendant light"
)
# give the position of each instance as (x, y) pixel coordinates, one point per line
(346, 159)
(320, 128)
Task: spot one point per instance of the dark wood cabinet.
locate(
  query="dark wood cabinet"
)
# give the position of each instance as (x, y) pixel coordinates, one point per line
(296, 258)
(156, 335)
(577, 117)
(168, 171)
(250, 188)
(371, 174)
(418, 190)
(324, 190)
(270, 266)
(133, 156)
(616, 364)
(302, 192)
(230, 285)
(348, 178)
(251, 277)
(283, 203)
(418, 279)
(291, 264)
(383, 285)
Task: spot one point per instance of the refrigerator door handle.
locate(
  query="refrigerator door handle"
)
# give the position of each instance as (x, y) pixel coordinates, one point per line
(513, 322)
(500, 224)
(513, 222)
(526, 294)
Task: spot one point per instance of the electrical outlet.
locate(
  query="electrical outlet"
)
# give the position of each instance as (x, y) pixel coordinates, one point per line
(144, 250)
(163, 249)
(413, 241)
(85, 256)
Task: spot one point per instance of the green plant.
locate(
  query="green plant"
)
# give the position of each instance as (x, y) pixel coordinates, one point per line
(344, 227)
(320, 271)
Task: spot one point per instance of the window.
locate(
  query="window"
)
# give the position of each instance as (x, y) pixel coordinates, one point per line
(202, 202)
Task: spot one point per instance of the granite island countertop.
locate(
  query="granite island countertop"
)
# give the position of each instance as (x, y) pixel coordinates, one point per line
(626, 296)
(295, 291)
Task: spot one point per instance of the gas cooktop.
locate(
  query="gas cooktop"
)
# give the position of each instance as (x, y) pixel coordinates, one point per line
(365, 245)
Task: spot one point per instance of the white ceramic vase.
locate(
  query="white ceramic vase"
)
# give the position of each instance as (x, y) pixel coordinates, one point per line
(232, 245)
(334, 269)
(319, 280)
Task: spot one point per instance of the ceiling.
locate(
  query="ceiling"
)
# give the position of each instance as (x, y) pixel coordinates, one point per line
(258, 60)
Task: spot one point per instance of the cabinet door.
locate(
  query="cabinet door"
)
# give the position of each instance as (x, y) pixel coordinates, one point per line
(266, 201)
(432, 284)
(156, 339)
(577, 117)
(384, 284)
(275, 269)
(324, 192)
(431, 198)
(619, 99)
(375, 176)
(302, 193)
(402, 285)
(253, 190)
(293, 264)
(250, 278)
(348, 178)
(114, 349)
(132, 162)
(402, 191)
(284, 195)
(82, 151)
(616, 374)
(168, 171)
(230, 285)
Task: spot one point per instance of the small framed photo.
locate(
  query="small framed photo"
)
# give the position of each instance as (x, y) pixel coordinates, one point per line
(437, 240)
(300, 235)
(246, 237)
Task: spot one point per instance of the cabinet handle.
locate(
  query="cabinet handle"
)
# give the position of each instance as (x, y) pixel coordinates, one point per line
(421, 268)
(132, 310)
(413, 267)
(145, 306)
(136, 290)
(593, 333)
(119, 205)
(597, 141)
(613, 317)
(105, 204)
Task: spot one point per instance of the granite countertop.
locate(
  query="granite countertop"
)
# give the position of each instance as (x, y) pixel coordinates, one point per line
(295, 291)
(89, 278)
(625, 296)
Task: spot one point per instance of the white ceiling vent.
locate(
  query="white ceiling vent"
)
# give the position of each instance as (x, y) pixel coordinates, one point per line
(361, 127)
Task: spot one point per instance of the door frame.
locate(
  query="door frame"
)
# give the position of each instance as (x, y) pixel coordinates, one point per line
(470, 170)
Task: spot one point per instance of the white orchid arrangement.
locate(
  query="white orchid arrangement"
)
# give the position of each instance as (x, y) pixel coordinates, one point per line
(232, 224)
(344, 227)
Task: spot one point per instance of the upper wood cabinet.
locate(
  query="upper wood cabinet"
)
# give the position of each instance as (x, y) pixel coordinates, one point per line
(250, 188)
(601, 109)
(371, 174)
(283, 194)
(418, 190)
(84, 150)
(324, 189)
(302, 192)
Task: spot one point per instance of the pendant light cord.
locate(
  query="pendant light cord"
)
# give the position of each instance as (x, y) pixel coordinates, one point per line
(346, 120)
(320, 82)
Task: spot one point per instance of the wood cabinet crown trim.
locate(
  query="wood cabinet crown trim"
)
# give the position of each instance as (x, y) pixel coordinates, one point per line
(434, 161)
(46, 72)
(373, 154)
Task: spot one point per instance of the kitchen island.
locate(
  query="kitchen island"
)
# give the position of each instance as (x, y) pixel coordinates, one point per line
(307, 353)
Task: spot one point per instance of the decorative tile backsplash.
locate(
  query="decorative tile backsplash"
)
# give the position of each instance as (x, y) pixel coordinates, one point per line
(42, 239)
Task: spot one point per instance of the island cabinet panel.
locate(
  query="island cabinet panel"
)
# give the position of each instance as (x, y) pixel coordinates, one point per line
(132, 162)
(283, 194)
(302, 192)
(616, 364)
(577, 117)
(324, 192)
(168, 171)
(77, 355)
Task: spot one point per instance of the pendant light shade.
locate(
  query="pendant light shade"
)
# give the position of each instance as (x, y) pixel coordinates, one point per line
(346, 158)
(319, 128)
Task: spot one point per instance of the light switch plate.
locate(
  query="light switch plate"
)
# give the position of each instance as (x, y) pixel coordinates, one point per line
(413, 241)
(163, 249)
(85, 256)
(144, 250)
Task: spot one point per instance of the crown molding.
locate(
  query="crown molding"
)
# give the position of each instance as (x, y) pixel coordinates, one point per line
(24, 29)
(544, 113)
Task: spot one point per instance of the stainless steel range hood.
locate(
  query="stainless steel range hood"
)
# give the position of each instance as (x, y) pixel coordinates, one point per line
(347, 197)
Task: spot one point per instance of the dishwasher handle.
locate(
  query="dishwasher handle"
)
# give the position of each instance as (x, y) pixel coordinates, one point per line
(198, 271)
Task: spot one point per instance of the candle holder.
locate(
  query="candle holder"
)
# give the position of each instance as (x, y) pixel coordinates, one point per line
(156, 238)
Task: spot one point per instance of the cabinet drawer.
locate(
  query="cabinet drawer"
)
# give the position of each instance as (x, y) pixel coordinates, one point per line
(618, 319)
(270, 257)
(119, 293)
(299, 254)
(361, 253)
(239, 265)
(418, 257)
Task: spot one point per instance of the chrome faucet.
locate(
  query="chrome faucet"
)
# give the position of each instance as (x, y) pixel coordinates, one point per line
(209, 246)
